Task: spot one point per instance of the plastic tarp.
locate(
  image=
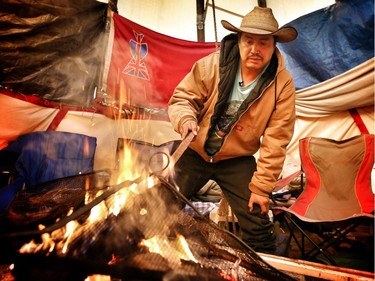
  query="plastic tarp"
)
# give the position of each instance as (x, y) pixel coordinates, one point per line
(330, 42)
(52, 48)
(45, 156)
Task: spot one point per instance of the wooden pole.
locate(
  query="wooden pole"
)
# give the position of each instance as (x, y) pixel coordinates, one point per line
(262, 3)
(113, 5)
(200, 21)
(317, 270)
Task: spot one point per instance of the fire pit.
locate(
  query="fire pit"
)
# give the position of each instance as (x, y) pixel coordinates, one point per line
(148, 237)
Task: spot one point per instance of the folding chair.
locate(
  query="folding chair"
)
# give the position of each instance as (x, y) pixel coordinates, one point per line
(337, 196)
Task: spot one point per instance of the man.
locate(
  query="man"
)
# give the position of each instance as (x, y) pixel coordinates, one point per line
(238, 101)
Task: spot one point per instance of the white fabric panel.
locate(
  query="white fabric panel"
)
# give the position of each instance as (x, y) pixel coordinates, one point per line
(337, 126)
(19, 117)
(352, 89)
(107, 131)
(164, 16)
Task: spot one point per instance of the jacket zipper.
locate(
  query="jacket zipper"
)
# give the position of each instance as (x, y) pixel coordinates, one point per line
(239, 117)
(211, 158)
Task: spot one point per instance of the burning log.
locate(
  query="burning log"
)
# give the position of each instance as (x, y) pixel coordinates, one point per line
(148, 237)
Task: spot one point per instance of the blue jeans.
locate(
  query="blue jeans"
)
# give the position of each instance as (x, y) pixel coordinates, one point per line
(233, 176)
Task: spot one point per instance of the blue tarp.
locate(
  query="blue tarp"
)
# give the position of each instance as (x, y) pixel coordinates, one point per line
(330, 42)
(45, 156)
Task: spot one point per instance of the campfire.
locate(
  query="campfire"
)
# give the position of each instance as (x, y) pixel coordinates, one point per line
(134, 229)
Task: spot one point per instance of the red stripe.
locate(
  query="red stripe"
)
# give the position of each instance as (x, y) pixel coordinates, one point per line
(358, 120)
(108, 111)
(284, 181)
(313, 180)
(42, 102)
(58, 118)
(363, 181)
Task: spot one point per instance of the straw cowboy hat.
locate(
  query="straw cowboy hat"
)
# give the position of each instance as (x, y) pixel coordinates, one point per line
(261, 21)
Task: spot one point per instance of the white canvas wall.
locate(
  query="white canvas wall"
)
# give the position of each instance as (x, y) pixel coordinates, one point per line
(177, 18)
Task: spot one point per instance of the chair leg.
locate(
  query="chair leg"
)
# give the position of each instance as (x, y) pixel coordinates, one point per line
(305, 235)
(293, 236)
(334, 238)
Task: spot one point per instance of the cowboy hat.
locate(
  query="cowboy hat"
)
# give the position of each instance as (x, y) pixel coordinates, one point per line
(261, 21)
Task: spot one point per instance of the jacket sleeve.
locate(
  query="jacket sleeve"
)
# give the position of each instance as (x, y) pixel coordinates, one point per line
(276, 137)
(190, 94)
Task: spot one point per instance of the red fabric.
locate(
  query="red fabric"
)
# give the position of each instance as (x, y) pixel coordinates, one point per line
(284, 181)
(358, 120)
(146, 66)
(58, 118)
(364, 194)
(306, 198)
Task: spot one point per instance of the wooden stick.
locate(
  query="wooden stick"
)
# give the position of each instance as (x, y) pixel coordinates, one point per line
(321, 271)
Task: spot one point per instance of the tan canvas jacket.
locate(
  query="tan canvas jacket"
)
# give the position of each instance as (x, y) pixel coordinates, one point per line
(266, 124)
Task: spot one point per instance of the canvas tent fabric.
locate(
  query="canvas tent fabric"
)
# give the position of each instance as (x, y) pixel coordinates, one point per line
(90, 123)
(38, 55)
(323, 108)
(351, 89)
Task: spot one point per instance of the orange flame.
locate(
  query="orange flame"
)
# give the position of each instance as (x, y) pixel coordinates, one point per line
(47, 244)
(129, 171)
(171, 250)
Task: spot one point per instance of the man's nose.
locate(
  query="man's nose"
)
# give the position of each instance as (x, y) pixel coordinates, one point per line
(254, 49)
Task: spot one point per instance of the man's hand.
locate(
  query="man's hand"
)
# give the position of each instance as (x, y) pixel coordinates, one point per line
(189, 125)
(262, 201)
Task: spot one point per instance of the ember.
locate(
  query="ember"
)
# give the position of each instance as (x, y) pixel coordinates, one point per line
(134, 231)
(191, 247)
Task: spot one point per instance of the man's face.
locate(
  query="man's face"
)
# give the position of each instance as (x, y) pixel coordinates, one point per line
(256, 50)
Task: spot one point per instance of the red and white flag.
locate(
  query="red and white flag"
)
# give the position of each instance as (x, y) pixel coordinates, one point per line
(146, 66)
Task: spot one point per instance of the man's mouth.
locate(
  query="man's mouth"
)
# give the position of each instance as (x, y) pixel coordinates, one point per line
(255, 58)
